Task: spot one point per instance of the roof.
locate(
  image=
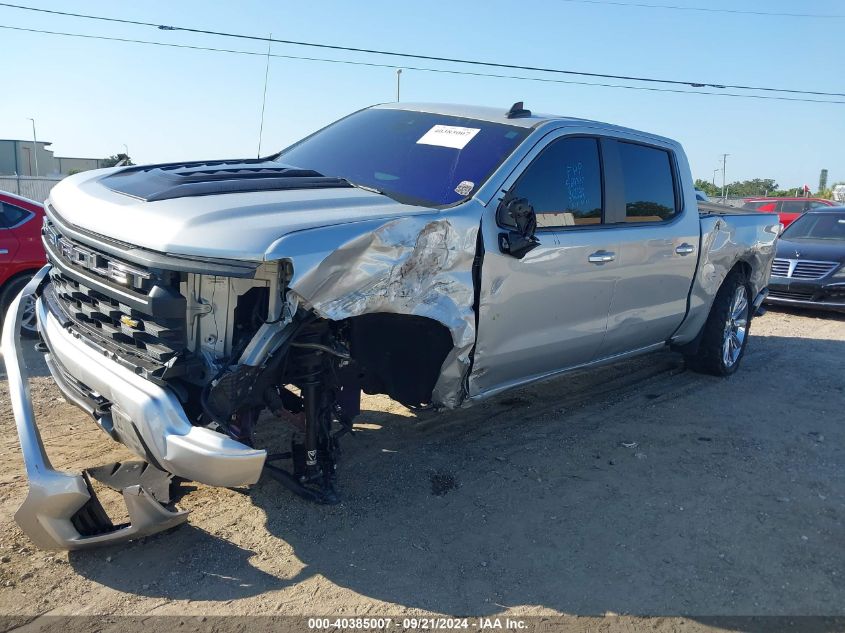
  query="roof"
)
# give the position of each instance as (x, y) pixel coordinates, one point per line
(23, 140)
(482, 113)
(16, 198)
(776, 198)
(499, 115)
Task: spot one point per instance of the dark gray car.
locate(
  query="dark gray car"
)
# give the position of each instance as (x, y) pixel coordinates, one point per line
(809, 267)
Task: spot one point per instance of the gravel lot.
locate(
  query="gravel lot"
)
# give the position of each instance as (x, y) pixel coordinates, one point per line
(639, 489)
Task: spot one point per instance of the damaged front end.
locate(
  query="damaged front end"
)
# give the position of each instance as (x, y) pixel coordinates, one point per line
(389, 310)
(61, 510)
(178, 363)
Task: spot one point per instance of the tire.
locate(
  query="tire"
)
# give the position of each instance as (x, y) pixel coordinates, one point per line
(725, 334)
(7, 295)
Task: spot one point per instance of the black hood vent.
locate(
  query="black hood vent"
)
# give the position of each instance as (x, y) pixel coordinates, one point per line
(207, 178)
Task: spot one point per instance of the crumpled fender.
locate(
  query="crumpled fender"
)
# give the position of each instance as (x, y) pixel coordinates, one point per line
(419, 265)
(726, 240)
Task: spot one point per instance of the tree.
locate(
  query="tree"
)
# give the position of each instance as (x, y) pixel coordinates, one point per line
(742, 188)
(709, 188)
(754, 187)
(113, 160)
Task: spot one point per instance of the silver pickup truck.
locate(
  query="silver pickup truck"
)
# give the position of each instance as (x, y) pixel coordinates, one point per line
(437, 254)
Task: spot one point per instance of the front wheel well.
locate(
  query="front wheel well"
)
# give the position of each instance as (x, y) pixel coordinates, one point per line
(692, 347)
(743, 266)
(399, 354)
(29, 272)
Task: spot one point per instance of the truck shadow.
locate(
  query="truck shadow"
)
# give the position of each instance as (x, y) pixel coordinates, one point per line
(639, 488)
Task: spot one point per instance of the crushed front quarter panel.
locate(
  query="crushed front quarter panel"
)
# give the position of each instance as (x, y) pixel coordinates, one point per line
(419, 265)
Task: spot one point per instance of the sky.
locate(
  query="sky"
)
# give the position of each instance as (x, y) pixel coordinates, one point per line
(91, 98)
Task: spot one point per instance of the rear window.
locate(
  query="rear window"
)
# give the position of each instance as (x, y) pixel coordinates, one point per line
(649, 183)
(11, 215)
(760, 205)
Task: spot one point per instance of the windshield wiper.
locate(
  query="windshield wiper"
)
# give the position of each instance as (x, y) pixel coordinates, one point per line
(364, 187)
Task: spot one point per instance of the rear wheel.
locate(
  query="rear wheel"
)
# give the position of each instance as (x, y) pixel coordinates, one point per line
(28, 325)
(725, 334)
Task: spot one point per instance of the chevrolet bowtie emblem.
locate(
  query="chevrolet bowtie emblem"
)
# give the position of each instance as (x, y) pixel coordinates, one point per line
(129, 321)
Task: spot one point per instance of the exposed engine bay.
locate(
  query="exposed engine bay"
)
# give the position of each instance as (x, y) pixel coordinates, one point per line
(260, 348)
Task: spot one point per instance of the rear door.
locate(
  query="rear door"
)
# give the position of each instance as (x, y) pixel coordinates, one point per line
(547, 311)
(657, 238)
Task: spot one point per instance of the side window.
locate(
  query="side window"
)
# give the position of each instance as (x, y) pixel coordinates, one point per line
(563, 184)
(11, 215)
(793, 206)
(649, 183)
(815, 204)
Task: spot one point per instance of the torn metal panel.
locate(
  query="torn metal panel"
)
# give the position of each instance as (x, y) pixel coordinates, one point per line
(725, 241)
(420, 265)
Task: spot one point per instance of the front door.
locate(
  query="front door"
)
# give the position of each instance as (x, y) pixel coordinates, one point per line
(547, 311)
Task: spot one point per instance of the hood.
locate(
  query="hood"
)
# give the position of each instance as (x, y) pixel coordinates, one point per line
(815, 250)
(220, 209)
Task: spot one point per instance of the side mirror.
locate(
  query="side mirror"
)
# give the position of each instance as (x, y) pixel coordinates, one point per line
(519, 213)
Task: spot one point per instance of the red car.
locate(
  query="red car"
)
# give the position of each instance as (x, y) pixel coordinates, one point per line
(788, 209)
(21, 251)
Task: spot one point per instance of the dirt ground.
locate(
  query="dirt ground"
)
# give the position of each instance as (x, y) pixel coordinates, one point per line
(638, 489)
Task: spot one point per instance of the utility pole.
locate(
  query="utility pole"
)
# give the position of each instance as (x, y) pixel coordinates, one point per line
(398, 77)
(724, 182)
(34, 147)
(715, 171)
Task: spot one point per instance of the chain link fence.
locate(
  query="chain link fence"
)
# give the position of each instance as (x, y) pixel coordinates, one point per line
(34, 188)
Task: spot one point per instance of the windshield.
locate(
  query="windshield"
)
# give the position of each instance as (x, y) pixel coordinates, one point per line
(817, 226)
(413, 157)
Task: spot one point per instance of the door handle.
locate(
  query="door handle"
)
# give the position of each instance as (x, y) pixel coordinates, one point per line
(4, 251)
(601, 257)
(685, 249)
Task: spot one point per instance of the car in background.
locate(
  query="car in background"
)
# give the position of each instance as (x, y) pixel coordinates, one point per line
(788, 209)
(809, 266)
(21, 252)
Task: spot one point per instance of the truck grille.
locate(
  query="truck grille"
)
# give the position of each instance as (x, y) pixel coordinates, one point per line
(802, 268)
(135, 313)
(793, 295)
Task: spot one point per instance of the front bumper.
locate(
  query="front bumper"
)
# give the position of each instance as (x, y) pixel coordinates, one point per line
(145, 417)
(806, 294)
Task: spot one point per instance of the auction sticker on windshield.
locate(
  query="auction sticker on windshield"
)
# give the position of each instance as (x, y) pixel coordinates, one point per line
(449, 136)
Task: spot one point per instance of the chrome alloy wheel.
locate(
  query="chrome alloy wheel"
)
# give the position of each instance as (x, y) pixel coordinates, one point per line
(736, 327)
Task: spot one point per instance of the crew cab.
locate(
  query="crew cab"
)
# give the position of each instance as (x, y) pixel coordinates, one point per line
(438, 254)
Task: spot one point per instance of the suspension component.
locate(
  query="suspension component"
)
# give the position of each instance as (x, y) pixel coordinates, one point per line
(313, 459)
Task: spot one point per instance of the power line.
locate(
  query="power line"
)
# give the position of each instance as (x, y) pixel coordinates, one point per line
(645, 5)
(416, 68)
(453, 60)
